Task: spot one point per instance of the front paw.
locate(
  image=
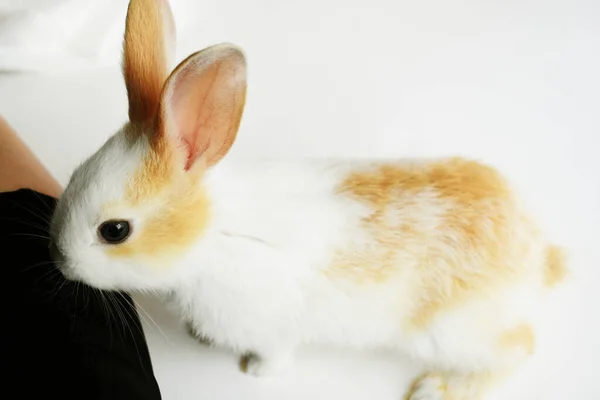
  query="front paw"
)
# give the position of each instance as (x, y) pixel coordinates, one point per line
(205, 340)
(265, 366)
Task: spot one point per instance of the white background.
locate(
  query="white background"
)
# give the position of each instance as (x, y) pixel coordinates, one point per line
(513, 83)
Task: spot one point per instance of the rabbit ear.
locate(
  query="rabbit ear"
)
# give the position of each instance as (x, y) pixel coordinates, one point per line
(147, 51)
(202, 103)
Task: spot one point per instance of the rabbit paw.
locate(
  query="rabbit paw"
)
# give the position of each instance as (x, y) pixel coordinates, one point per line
(205, 340)
(429, 387)
(265, 367)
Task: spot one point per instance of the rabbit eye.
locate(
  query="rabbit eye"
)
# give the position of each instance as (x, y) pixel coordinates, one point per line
(114, 231)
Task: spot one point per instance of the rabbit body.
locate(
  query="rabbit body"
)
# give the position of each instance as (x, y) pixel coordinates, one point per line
(433, 258)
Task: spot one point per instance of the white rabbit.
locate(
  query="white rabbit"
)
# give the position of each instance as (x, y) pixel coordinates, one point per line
(434, 258)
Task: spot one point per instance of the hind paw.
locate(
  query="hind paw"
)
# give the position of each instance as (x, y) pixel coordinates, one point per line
(255, 365)
(429, 387)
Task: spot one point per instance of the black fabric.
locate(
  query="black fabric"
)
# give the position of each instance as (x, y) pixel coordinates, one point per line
(62, 339)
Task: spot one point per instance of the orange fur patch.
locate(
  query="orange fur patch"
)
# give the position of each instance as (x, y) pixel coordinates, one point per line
(179, 205)
(475, 244)
(145, 65)
(174, 227)
(520, 337)
(456, 385)
(155, 174)
(377, 261)
(555, 266)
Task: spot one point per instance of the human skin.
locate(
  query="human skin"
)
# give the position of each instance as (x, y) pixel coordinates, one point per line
(19, 166)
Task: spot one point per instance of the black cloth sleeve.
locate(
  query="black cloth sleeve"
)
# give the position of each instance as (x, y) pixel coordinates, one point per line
(62, 339)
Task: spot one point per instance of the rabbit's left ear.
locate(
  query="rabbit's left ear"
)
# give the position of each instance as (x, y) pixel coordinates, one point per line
(202, 104)
(148, 51)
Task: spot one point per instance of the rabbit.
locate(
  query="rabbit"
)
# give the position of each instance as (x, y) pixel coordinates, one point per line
(435, 258)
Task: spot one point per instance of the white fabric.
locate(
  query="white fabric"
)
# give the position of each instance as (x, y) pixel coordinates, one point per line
(49, 35)
(68, 35)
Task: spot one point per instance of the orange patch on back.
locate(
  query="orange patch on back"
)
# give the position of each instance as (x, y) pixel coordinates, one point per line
(466, 183)
(470, 246)
(520, 337)
(376, 261)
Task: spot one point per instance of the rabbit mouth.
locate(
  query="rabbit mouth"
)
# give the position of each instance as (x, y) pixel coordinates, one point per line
(61, 263)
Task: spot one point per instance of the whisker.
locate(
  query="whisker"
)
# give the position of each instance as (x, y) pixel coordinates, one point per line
(133, 309)
(122, 310)
(86, 297)
(31, 224)
(57, 291)
(114, 306)
(44, 203)
(30, 235)
(141, 317)
(44, 218)
(53, 272)
(49, 275)
(76, 289)
(73, 296)
(119, 313)
(36, 265)
(107, 312)
(138, 305)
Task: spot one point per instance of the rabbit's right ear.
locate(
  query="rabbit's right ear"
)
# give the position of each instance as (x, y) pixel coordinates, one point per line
(147, 53)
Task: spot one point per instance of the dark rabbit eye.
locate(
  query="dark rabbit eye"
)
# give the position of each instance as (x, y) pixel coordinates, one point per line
(114, 232)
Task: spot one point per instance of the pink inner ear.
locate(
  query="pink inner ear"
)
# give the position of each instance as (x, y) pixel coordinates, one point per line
(193, 102)
(205, 105)
(192, 152)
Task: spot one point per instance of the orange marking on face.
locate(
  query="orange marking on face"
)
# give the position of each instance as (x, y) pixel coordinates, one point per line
(156, 174)
(178, 202)
(174, 227)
